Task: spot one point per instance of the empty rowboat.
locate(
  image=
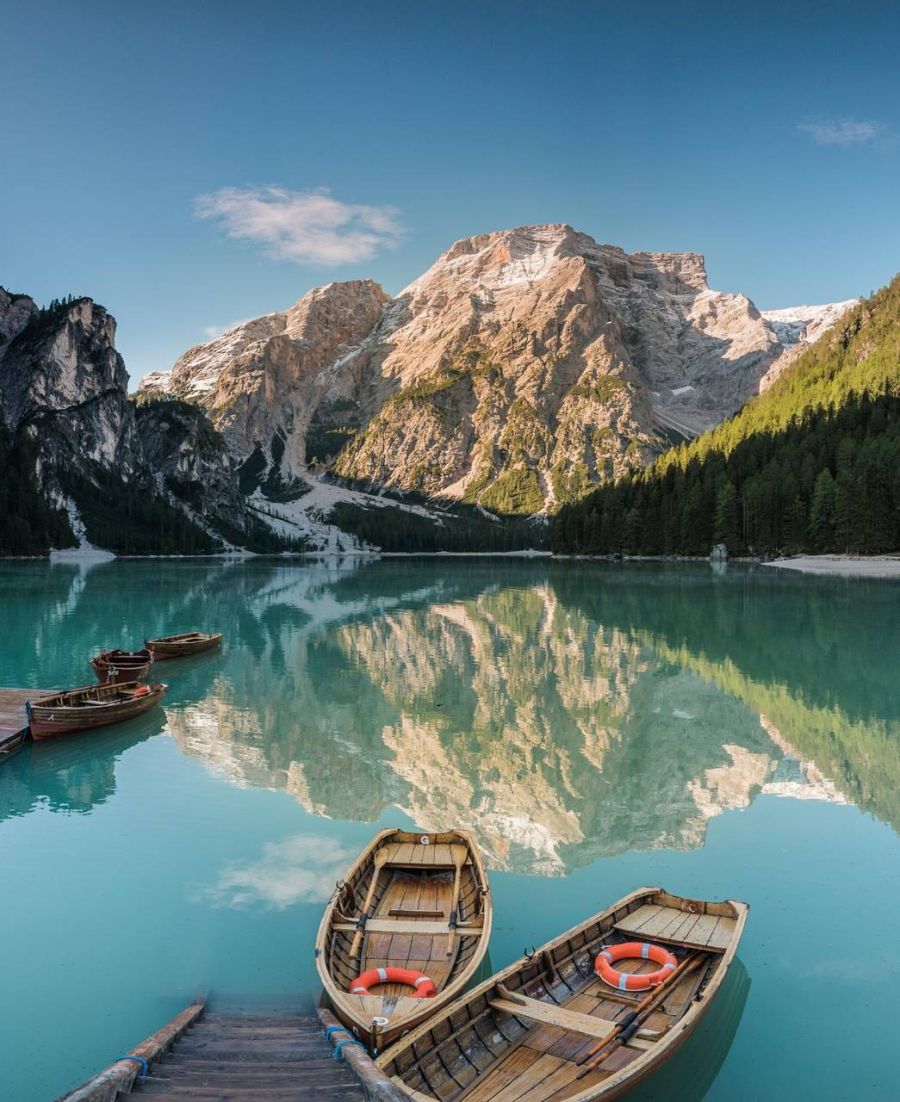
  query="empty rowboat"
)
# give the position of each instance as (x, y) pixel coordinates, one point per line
(553, 1027)
(90, 707)
(179, 646)
(404, 933)
(113, 666)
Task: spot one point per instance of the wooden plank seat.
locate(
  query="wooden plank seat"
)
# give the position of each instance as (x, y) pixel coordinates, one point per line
(550, 1014)
(412, 926)
(414, 855)
(670, 924)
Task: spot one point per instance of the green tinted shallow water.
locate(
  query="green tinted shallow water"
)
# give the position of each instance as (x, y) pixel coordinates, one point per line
(598, 727)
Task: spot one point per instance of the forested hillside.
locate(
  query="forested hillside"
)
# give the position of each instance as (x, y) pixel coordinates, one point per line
(811, 465)
(29, 524)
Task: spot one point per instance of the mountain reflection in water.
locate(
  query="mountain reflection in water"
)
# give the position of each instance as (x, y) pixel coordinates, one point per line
(559, 713)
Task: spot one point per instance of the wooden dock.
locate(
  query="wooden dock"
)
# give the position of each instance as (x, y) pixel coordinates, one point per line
(13, 722)
(241, 1058)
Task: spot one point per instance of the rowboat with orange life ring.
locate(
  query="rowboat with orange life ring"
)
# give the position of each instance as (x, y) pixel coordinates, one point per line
(404, 932)
(547, 1027)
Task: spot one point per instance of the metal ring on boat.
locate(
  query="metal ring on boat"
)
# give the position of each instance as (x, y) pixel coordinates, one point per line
(634, 950)
(425, 988)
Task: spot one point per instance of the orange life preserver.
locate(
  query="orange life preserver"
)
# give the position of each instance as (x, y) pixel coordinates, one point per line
(631, 950)
(425, 987)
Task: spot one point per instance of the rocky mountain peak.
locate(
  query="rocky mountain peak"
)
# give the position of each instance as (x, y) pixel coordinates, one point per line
(522, 367)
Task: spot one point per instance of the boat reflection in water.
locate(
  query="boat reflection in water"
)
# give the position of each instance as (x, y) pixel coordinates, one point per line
(72, 774)
(691, 1072)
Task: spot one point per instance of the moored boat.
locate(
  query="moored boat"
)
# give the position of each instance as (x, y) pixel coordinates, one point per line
(178, 646)
(404, 932)
(553, 1025)
(113, 666)
(89, 707)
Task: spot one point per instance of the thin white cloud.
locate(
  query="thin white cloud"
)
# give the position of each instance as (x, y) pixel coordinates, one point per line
(307, 227)
(843, 131)
(213, 331)
(301, 869)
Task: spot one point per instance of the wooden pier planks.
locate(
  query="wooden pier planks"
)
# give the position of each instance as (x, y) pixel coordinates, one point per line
(13, 721)
(244, 1059)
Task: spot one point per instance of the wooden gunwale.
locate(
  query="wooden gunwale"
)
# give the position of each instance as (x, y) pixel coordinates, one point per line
(422, 1062)
(423, 944)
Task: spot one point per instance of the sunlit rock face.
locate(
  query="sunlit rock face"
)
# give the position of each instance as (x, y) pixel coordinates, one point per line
(261, 382)
(63, 382)
(554, 739)
(523, 367)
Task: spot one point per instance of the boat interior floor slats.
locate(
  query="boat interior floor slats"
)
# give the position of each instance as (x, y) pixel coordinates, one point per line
(509, 1055)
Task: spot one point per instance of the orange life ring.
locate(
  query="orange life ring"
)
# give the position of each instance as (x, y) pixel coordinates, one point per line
(425, 987)
(631, 950)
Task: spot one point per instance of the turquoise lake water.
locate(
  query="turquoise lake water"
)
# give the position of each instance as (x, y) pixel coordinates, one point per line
(597, 726)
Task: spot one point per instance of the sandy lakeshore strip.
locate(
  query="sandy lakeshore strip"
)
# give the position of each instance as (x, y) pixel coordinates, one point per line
(873, 566)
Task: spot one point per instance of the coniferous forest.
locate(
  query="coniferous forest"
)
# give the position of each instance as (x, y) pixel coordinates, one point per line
(29, 524)
(813, 464)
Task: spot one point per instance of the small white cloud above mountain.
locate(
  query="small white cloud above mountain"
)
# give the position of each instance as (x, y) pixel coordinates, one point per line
(210, 332)
(306, 227)
(843, 131)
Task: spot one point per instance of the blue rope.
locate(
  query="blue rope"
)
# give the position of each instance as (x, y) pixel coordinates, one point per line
(349, 1041)
(335, 1028)
(138, 1060)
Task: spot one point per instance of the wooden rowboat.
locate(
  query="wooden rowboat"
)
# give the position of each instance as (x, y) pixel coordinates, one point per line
(112, 666)
(412, 901)
(89, 707)
(179, 646)
(551, 1026)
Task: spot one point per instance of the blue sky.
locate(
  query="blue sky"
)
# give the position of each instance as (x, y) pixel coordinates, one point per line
(192, 164)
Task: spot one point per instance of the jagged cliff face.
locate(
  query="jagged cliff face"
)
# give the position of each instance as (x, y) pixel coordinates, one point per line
(523, 367)
(191, 462)
(64, 389)
(262, 382)
(64, 384)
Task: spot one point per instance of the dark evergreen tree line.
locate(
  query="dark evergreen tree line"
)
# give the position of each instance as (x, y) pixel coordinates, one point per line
(29, 524)
(812, 465)
(394, 529)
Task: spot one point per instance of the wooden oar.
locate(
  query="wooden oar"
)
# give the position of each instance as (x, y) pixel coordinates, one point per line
(380, 859)
(459, 859)
(631, 1023)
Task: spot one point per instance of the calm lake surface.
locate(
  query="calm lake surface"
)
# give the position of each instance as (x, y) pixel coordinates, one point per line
(598, 727)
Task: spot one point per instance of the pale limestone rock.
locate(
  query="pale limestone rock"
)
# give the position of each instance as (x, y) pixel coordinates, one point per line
(523, 367)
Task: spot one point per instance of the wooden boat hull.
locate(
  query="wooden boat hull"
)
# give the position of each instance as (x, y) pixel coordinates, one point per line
(428, 909)
(537, 1021)
(179, 646)
(119, 666)
(75, 711)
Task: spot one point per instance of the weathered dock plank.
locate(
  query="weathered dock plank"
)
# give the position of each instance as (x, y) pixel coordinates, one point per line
(243, 1058)
(13, 721)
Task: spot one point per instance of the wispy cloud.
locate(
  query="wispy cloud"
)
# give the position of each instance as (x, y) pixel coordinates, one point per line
(300, 869)
(307, 227)
(213, 331)
(843, 131)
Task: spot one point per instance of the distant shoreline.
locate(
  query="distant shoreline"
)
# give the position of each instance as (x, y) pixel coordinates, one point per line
(845, 566)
